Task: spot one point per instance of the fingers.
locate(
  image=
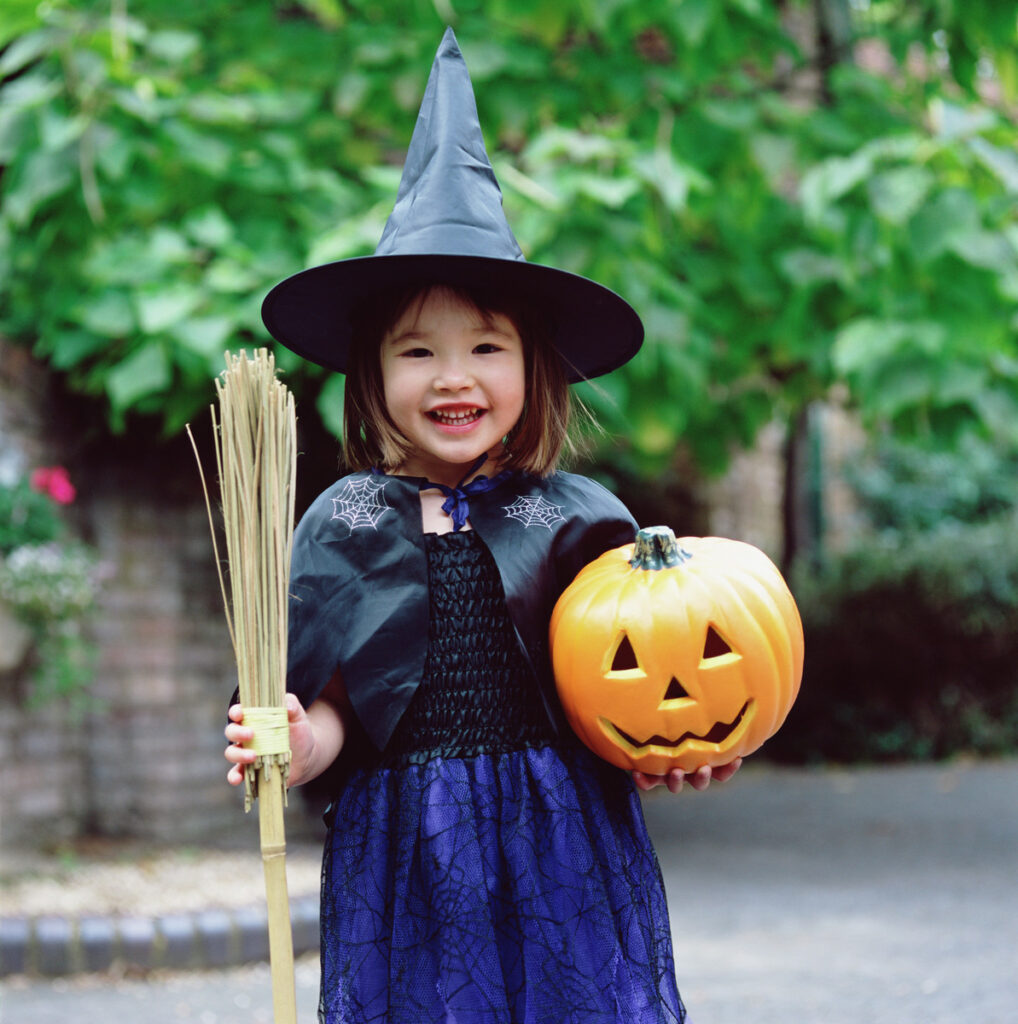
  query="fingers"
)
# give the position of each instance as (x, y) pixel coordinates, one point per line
(676, 778)
(238, 755)
(294, 708)
(724, 772)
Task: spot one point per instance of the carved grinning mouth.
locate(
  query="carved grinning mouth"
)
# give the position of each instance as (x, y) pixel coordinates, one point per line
(719, 732)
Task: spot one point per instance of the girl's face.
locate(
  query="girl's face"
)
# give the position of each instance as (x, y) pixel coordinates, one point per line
(453, 382)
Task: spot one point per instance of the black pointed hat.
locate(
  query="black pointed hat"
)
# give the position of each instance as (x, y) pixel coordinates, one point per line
(448, 227)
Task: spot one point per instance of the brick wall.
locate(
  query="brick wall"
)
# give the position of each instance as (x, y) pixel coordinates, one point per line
(146, 761)
(42, 790)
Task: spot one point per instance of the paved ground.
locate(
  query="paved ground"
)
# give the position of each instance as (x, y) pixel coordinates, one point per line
(880, 896)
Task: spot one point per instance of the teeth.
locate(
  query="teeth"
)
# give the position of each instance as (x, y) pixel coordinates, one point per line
(454, 418)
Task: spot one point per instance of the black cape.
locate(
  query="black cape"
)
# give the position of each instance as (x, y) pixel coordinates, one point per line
(359, 580)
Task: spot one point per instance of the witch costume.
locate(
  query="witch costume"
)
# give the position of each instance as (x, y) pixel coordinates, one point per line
(481, 865)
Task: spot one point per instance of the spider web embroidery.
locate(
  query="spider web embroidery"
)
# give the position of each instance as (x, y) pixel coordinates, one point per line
(534, 511)
(360, 503)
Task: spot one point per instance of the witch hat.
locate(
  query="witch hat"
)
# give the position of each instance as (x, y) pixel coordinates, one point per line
(448, 227)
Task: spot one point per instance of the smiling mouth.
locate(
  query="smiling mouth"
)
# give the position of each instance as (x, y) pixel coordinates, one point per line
(455, 417)
(719, 732)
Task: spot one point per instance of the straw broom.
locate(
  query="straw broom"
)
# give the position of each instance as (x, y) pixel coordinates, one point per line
(256, 455)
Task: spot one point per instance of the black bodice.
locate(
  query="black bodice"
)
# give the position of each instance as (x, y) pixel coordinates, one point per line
(477, 696)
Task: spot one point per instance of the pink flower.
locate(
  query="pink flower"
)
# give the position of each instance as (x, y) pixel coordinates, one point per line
(54, 481)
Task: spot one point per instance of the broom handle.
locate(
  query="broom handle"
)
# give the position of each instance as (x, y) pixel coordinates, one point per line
(273, 845)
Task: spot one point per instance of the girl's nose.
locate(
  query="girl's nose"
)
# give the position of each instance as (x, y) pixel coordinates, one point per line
(453, 375)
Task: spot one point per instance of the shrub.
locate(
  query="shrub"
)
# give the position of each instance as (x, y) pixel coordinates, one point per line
(50, 582)
(911, 648)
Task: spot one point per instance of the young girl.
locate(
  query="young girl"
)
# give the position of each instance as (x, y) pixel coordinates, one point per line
(481, 865)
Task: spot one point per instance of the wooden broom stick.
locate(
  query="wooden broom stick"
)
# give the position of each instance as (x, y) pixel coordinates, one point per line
(256, 457)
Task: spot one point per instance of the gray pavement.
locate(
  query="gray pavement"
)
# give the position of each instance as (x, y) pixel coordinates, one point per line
(884, 896)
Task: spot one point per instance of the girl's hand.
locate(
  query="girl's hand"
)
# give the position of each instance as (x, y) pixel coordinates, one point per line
(676, 778)
(302, 743)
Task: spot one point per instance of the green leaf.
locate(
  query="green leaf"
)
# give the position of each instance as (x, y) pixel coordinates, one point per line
(206, 335)
(27, 49)
(209, 226)
(612, 192)
(43, 175)
(1003, 163)
(67, 349)
(896, 194)
(672, 179)
(828, 181)
(108, 314)
(986, 249)
(144, 372)
(864, 342)
(810, 266)
(20, 17)
(173, 45)
(694, 19)
(229, 276)
(947, 218)
(162, 308)
(199, 149)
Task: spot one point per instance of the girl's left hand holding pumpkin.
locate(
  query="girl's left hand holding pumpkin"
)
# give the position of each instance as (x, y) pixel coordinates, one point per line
(676, 778)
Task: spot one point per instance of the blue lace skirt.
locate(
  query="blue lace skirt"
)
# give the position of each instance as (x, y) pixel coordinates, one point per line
(511, 888)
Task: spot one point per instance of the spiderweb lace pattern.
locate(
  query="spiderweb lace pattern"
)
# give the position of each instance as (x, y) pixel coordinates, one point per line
(533, 510)
(361, 503)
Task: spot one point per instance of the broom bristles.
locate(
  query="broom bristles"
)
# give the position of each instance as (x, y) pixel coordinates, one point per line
(256, 458)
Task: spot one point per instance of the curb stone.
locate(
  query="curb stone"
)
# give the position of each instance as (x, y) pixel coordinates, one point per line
(53, 946)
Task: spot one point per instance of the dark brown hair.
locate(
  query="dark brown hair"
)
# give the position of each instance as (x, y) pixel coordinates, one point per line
(534, 444)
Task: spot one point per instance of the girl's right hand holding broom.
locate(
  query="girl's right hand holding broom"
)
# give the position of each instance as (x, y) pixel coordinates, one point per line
(316, 736)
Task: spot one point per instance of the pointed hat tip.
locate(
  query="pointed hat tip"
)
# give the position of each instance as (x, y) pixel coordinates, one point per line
(449, 42)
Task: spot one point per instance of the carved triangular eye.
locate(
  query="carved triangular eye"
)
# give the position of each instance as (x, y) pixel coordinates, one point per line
(625, 656)
(675, 690)
(716, 645)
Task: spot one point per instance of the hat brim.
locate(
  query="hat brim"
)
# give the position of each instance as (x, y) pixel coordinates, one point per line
(596, 330)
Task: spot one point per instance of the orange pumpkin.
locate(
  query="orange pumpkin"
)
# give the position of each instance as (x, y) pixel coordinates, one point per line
(677, 654)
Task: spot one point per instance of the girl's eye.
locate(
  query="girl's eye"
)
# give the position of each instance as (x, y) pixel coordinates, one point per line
(487, 347)
(415, 353)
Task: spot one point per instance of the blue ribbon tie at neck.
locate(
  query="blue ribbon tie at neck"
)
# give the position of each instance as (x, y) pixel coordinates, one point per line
(457, 499)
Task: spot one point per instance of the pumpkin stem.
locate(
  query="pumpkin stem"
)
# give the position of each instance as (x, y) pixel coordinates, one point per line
(656, 548)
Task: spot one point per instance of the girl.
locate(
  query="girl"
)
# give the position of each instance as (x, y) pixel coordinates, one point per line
(481, 865)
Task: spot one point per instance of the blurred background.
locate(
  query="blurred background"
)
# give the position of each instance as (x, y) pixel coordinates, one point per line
(812, 204)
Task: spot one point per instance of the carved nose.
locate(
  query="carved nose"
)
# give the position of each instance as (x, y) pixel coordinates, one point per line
(675, 690)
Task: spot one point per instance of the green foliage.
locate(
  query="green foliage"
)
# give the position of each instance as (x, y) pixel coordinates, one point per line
(908, 489)
(164, 165)
(912, 648)
(27, 516)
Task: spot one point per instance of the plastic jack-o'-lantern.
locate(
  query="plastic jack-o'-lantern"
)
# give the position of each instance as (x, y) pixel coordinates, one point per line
(677, 654)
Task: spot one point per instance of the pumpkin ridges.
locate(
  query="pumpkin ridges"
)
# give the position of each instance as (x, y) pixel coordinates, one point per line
(727, 626)
(766, 638)
(755, 563)
(787, 631)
